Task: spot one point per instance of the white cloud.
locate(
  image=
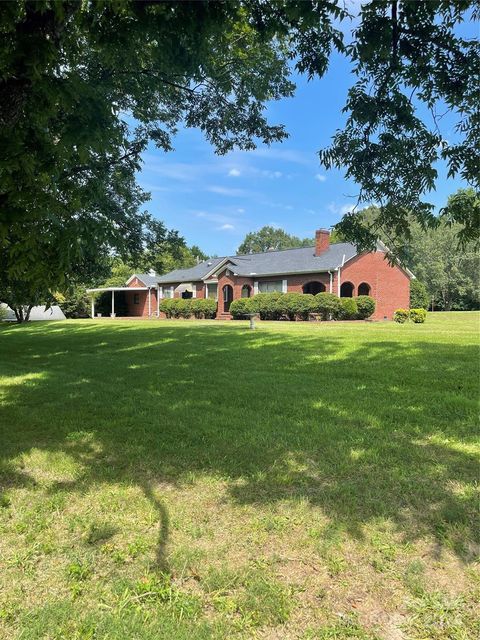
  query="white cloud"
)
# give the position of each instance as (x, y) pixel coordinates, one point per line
(226, 227)
(320, 177)
(226, 191)
(347, 208)
(285, 155)
(240, 210)
(234, 173)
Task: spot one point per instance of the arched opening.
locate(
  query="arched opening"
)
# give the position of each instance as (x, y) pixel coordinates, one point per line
(364, 289)
(227, 297)
(246, 291)
(346, 290)
(314, 287)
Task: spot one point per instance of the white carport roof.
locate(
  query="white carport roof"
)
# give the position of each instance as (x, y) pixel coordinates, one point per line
(117, 289)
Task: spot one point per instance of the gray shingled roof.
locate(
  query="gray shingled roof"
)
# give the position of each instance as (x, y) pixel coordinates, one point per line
(301, 260)
(190, 275)
(147, 279)
(282, 262)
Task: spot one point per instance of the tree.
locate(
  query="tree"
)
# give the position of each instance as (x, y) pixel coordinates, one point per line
(449, 274)
(409, 59)
(419, 298)
(84, 86)
(69, 148)
(271, 239)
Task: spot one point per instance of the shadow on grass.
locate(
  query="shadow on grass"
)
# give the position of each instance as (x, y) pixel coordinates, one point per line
(364, 429)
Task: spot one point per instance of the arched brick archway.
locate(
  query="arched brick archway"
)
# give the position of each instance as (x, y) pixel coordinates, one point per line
(364, 289)
(246, 291)
(227, 292)
(346, 290)
(313, 287)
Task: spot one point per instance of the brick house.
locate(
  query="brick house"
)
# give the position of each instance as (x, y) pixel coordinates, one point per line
(337, 268)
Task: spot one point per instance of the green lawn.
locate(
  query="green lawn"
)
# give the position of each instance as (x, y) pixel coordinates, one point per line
(198, 480)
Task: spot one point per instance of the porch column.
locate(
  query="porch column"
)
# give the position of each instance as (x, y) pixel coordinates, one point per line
(112, 315)
(158, 302)
(149, 303)
(93, 306)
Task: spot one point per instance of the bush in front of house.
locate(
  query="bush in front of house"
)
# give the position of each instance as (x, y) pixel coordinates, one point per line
(188, 307)
(241, 307)
(401, 315)
(268, 305)
(327, 305)
(365, 306)
(295, 305)
(204, 307)
(348, 309)
(170, 307)
(419, 298)
(418, 315)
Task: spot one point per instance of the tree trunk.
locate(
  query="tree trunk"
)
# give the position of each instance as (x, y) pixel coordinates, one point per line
(27, 315)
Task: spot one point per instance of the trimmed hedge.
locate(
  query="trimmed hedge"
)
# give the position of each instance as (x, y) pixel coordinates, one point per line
(188, 307)
(418, 315)
(348, 309)
(327, 305)
(401, 315)
(268, 305)
(241, 307)
(365, 306)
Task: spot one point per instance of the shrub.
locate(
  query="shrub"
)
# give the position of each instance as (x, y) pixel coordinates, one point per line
(166, 306)
(185, 308)
(296, 305)
(241, 307)
(268, 305)
(305, 305)
(401, 315)
(76, 303)
(327, 305)
(348, 309)
(418, 315)
(208, 307)
(366, 307)
(419, 298)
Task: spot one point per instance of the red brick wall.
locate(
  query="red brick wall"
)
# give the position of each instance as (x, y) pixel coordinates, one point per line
(140, 309)
(389, 286)
(295, 283)
(236, 282)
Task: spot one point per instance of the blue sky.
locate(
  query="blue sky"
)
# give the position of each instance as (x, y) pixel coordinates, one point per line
(213, 201)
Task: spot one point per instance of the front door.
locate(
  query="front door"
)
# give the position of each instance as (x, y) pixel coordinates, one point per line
(227, 297)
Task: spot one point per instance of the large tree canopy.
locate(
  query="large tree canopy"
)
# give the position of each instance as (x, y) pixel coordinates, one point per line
(84, 86)
(271, 239)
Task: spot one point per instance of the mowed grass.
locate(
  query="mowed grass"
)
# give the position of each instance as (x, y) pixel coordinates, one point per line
(200, 480)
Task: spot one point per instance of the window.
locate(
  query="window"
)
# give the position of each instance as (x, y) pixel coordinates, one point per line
(212, 290)
(270, 286)
(136, 298)
(168, 292)
(364, 289)
(346, 290)
(246, 291)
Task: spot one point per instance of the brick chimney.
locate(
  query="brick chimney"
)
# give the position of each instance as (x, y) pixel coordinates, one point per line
(322, 241)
